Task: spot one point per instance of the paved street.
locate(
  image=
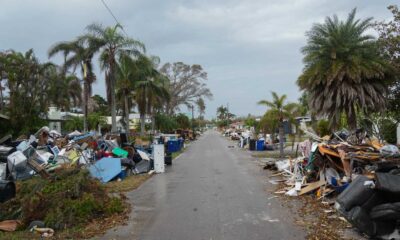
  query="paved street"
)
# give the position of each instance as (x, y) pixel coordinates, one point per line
(210, 192)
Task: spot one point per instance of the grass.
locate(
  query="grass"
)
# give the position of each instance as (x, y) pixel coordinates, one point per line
(273, 154)
(128, 184)
(176, 154)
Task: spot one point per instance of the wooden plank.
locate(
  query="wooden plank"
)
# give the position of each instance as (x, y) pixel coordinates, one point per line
(311, 187)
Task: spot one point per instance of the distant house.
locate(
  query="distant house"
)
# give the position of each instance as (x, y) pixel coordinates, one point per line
(237, 125)
(56, 117)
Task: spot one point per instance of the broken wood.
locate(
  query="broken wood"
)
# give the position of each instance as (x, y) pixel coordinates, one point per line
(311, 187)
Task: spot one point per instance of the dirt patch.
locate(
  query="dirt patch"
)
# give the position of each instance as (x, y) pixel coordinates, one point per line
(317, 217)
(128, 184)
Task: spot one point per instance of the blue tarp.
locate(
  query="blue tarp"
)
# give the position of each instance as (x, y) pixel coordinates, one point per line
(106, 169)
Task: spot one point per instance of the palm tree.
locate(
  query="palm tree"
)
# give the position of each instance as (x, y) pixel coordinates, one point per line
(150, 88)
(78, 53)
(28, 82)
(126, 83)
(343, 71)
(201, 107)
(112, 44)
(64, 90)
(280, 111)
(222, 112)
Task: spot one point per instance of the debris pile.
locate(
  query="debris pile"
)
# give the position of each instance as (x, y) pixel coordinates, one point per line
(57, 180)
(361, 173)
(42, 153)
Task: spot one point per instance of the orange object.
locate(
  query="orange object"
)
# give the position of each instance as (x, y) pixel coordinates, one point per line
(9, 225)
(324, 150)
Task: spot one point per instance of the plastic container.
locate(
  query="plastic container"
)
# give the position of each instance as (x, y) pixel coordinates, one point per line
(260, 145)
(252, 145)
(15, 159)
(173, 146)
(119, 152)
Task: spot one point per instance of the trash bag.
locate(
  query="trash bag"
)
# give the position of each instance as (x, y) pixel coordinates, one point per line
(388, 182)
(385, 212)
(356, 194)
(7, 190)
(359, 217)
(389, 151)
(127, 162)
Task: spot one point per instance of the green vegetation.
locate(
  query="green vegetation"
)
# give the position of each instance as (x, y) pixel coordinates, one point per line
(132, 79)
(67, 200)
(344, 70)
(278, 111)
(224, 116)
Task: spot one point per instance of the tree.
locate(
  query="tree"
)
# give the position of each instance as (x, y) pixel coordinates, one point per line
(250, 121)
(126, 84)
(165, 123)
(183, 121)
(222, 112)
(65, 90)
(150, 87)
(269, 123)
(186, 84)
(100, 105)
(112, 44)
(201, 107)
(279, 110)
(389, 44)
(28, 82)
(78, 53)
(344, 72)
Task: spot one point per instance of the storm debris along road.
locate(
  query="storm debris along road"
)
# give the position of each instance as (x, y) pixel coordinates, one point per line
(212, 192)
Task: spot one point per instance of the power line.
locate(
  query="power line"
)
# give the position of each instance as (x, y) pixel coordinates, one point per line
(115, 18)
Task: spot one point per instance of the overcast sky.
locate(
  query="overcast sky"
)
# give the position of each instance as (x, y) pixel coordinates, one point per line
(248, 48)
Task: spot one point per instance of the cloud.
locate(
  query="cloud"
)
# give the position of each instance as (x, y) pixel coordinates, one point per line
(248, 48)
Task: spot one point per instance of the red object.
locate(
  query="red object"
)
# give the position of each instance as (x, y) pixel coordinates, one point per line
(107, 154)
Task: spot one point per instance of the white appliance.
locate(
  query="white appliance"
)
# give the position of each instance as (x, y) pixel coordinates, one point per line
(158, 156)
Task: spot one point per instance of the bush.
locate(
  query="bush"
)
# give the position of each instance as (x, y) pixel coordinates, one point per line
(388, 131)
(323, 128)
(68, 200)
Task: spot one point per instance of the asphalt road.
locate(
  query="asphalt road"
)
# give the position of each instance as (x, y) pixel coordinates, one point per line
(210, 192)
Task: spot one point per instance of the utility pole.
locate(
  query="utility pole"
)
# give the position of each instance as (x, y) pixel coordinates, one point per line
(192, 106)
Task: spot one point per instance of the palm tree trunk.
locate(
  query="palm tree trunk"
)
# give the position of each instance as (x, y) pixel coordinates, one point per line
(281, 139)
(126, 113)
(142, 119)
(85, 105)
(113, 105)
(1, 96)
(313, 122)
(153, 123)
(352, 118)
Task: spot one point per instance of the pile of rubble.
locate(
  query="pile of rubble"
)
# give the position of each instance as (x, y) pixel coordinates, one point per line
(106, 157)
(357, 173)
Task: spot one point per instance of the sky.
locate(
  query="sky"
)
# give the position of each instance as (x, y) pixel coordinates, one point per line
(248, 48)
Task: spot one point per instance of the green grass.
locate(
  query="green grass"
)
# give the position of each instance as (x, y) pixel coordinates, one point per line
(176, 154)
(273, 154)
(128, 184)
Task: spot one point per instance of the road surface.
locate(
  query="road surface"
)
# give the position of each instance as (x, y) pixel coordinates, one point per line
(211, 192)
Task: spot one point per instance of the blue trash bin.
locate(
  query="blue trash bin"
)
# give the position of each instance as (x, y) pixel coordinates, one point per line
(172, 146)
(260, 145)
